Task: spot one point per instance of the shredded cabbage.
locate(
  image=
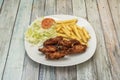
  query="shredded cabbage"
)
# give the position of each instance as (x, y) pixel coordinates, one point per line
(35, 34)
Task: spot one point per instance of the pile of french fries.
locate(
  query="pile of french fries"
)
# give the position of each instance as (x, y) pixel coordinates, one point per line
(70, 30)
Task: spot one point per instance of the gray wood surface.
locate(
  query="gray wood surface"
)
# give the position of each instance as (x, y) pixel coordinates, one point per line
(111, 40)
(1, 4)
(100, 58)
(16, 53)
(7, 21)
(16, 15)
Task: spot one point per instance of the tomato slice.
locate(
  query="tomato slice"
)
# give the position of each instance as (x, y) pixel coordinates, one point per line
(47, 23)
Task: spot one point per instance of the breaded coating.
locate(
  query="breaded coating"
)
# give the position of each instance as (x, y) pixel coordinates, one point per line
(77, 49)
(55, 55)
(55, 48)
(52, 41)
(49, 48)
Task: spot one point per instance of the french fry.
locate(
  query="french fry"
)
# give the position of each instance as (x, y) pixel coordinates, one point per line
(76, 32)
(61, 31)
(85, 33)
(66, 32)
(83, 37)
(82, 42)
(69, 30)
(68, 27)
(62, 35)
(73, 35)
(82, 34)
(58, 28)
(66, 21)
(71, 23)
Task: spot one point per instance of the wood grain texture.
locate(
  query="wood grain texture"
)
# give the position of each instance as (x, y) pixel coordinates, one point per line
(46, 73)
(64, 7)
(50, 7)
(66, 73)
(100, 59)
(1, 4)
(111, 40)
(38, 9)
(7, 18)
(61, 7)
(115, 13)
(114, 6)
(14, 64)
(31, 67)
(79, 8)
(69, 7)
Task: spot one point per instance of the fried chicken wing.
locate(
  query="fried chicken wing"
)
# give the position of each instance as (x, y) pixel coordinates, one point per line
(55, 55)
(52, 41)
(60, 48)
(74, 42)
(68, 43)
(77, 49)
(48, 49)
(55, 48)
(65, 43)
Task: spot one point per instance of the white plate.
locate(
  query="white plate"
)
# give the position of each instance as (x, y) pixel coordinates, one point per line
(70, 60)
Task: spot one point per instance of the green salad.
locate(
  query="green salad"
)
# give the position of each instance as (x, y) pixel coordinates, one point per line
(35, 34)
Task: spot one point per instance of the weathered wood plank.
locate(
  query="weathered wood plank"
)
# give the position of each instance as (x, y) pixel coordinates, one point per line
(100, 59)
(31, 67)
(85, 71)
(14, 64)
(65, 73)
(1, 3)
(38, 9)
(64, 6)
(111, 41)
(79, 8)
(46, 73)
(7, 18)
(50, 7)
(69, 8)
(61, 6)
(115, 11)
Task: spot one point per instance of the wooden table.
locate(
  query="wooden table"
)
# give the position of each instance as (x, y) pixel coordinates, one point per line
(16, 15)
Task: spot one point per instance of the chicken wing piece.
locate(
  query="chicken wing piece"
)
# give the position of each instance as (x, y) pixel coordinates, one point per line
(77, 49)
(65, 43)
(55, 55)
(74, 42)
(61, 48)
(48, 49)
(52, 41)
